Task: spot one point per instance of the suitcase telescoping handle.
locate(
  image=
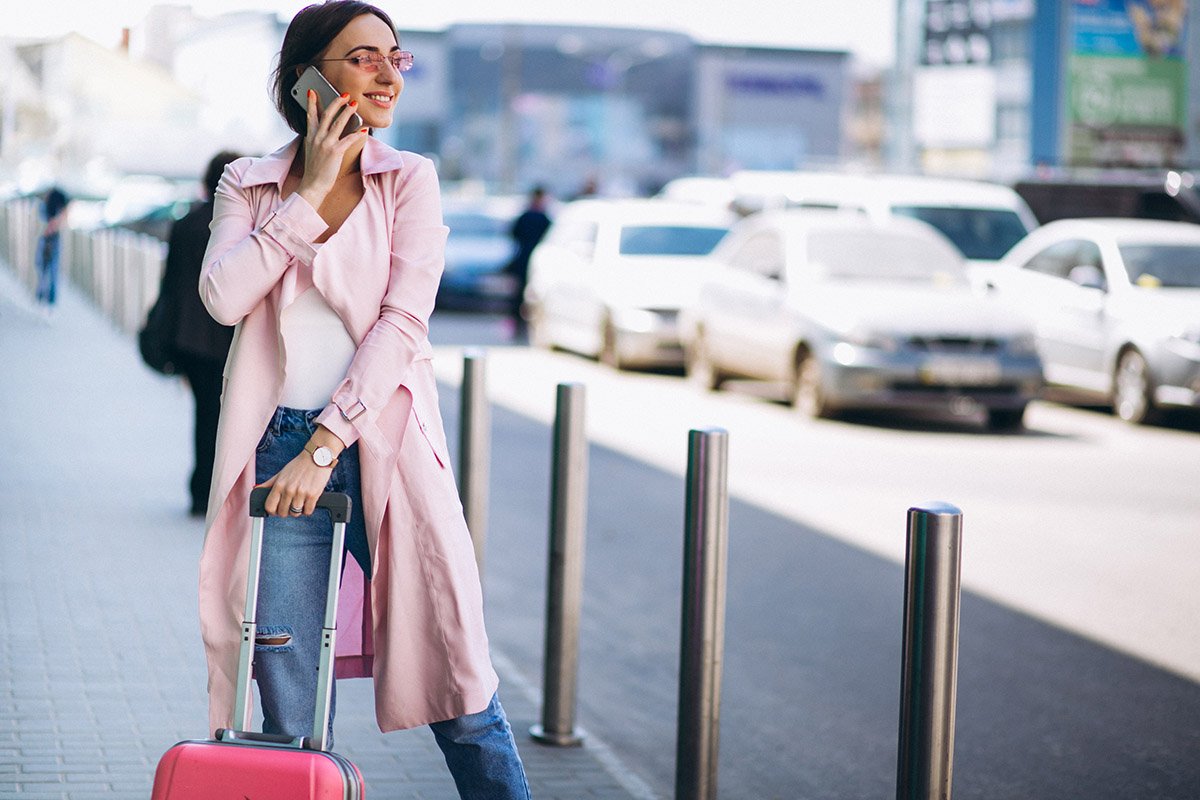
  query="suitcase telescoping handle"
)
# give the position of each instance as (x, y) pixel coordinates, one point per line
(338, 504)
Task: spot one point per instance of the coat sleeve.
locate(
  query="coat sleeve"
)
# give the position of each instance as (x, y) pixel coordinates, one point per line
(382, 361)
(244, 260)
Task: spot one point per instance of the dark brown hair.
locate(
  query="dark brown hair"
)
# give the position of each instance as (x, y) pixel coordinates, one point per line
(216, 167)
(310, 32)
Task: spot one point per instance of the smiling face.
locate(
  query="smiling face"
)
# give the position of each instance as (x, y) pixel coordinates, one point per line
(376, 92)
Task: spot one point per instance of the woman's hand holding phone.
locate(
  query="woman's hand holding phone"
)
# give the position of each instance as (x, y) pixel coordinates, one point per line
(325, 148)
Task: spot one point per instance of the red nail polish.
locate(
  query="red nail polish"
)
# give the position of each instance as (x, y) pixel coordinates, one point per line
(353, 103)
(345, 95)
(362, 130)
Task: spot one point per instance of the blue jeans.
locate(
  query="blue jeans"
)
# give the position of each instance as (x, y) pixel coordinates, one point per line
(47, 263)
(479, 748)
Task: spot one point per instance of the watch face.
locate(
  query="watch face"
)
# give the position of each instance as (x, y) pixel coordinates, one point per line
(323, 456)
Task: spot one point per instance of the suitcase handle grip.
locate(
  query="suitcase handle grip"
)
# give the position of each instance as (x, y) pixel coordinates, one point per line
(230, 735)
(337, 503)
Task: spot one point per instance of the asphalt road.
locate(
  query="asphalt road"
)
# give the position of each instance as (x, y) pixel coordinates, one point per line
(1079, 656)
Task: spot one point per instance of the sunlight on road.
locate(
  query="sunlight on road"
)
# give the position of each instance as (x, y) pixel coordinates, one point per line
(1047, 513)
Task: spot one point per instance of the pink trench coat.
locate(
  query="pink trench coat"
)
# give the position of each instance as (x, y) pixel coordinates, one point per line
(417, 625)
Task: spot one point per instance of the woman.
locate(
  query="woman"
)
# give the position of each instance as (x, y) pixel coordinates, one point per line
(327, 255)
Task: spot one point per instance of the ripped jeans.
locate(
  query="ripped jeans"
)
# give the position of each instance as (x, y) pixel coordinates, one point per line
(479, 748)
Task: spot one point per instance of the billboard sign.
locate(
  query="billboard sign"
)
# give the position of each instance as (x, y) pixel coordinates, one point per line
(1126, 82)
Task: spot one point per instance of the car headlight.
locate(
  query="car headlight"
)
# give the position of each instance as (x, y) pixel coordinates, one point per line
(875, 340)
(1023, 345)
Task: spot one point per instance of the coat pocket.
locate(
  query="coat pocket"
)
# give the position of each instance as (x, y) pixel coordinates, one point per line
(420, 419)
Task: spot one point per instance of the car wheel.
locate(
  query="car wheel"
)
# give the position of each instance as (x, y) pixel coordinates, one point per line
(610, 353)
(1006, 419)
(808, 396)
(699, 367)
(1132, 388)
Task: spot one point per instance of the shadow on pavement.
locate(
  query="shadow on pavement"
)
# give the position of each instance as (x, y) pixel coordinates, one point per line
(812, 672)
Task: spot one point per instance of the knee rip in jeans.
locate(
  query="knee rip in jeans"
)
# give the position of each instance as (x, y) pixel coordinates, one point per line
(273, 638)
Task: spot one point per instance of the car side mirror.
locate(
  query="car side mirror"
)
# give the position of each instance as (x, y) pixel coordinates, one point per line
(1087, 276)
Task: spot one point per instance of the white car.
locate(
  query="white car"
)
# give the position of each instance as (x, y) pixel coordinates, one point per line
(983, 220)
(610, 277)
(851, 313)
(1116, 307)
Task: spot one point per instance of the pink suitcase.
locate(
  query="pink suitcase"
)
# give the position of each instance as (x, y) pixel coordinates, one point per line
(242, 764)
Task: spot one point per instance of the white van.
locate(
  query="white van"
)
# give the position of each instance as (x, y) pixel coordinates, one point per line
(984, 220)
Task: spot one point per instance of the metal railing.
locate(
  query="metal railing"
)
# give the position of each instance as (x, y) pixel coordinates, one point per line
(117, 270)
(19, 231)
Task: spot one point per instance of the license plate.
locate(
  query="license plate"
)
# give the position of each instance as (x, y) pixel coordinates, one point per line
(957, 371)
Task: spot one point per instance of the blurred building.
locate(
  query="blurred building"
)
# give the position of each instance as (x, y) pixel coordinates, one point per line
(629, 109)
(25, 129)
(620, 109)
(568, 105)
(228, 62)
(77, 112)
(999, 88)
(760, 108)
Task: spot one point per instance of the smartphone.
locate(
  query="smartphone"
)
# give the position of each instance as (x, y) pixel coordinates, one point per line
(313, 79)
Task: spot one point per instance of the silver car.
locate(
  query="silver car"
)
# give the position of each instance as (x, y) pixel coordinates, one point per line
(1116, 306)
(856, 314)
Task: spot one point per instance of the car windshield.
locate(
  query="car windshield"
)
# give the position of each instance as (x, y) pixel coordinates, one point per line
(854, 255)
(980, 233)
(470, 224)
(1172, 266)
(669, 240)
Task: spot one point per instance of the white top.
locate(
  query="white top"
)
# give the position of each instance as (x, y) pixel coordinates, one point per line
(317, 351)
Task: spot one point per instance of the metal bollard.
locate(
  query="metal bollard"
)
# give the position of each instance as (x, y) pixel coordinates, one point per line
(564, 589)
(702, 639)
(474, 449)
(929, 673)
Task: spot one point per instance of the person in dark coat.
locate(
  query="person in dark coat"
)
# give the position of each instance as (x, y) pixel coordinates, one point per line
(201, 344)
(527, 230)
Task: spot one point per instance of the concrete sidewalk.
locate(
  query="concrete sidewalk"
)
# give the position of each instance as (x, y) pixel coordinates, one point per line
(101, 665)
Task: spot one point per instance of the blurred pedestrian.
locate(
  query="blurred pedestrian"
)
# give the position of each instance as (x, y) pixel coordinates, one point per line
(200, 343)
(526, 231)
(327, 254)
(54, 218)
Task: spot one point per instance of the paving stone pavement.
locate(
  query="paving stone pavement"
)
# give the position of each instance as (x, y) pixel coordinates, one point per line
(101, 665)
